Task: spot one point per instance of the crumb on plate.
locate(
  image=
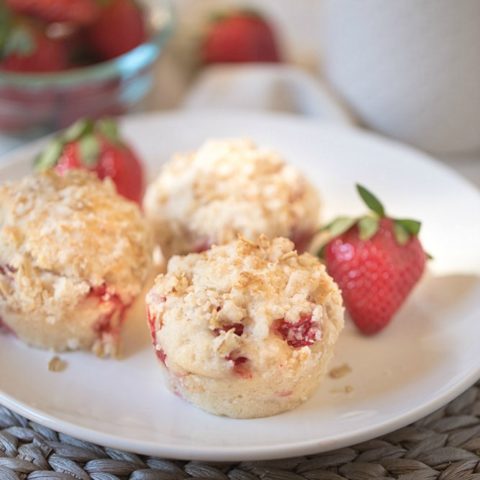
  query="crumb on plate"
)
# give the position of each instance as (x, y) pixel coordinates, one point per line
(340, 371)
(56, 364)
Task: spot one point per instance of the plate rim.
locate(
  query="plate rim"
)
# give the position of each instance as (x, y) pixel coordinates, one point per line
(230, 453)
(236, 454)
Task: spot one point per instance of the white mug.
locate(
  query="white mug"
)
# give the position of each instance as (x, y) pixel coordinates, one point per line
(408, 68)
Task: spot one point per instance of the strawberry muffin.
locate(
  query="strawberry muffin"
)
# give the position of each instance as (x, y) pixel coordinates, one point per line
(245, 329)
(226, 188)
(73, 257)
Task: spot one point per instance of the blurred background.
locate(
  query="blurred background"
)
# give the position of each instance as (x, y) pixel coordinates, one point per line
(407, 70)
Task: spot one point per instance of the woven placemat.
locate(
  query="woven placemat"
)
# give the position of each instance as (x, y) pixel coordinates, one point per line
(444, 446)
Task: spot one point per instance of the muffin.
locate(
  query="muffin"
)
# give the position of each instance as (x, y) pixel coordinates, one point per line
(245, 329)
(73, 257)
(226, 188)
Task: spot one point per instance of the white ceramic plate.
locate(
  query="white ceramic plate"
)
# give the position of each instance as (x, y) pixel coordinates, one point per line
(424, 359)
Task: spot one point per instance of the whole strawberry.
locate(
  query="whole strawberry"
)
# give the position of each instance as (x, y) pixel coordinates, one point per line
(25, 48)
(376, 261)
(96, 146)
(78, 12)
(119, 28)
(242, 36)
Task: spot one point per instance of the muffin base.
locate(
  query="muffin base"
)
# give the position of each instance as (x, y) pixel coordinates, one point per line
(92, 326)
(277, 391)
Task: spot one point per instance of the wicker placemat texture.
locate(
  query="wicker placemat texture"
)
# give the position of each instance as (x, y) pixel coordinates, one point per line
(443, 446)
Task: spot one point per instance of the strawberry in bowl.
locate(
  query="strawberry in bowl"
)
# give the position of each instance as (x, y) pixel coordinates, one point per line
(96, 146)
(97, 23)
(117, 16)
(376, 260)
(26, 48)
(64, 60)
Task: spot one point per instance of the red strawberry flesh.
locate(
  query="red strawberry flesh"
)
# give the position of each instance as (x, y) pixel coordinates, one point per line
(4, 328)
(110, 323)
(301, 239)
(162, 356)
(123, 167)
(7, 269)
(303, 333)
(240, 364)
(202, 245)
(151, 325)
(70, 159)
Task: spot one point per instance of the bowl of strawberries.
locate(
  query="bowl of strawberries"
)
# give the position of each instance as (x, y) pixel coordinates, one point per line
(61, 60)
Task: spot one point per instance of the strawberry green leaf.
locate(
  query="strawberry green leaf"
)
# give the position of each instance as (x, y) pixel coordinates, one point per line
(77, 130)
(49, 156)
(339, 225)
(429, 256)
(89, 148)
(109, 128)
(321, 252)
(368, 227)
(20, 42)
(5, 24)
(217, 17)
(250, 12)
(402, 236)
(411, 226)
(371, 201)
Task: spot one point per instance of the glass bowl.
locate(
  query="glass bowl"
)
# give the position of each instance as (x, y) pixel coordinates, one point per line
(31, 104)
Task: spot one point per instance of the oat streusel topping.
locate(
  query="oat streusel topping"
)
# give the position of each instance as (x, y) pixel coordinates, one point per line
(225, 188)
(73, 228)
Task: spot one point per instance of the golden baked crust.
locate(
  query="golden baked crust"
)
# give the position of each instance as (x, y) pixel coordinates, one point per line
(63, 240)
(229, 187)
(75, 225)
(246, 329)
